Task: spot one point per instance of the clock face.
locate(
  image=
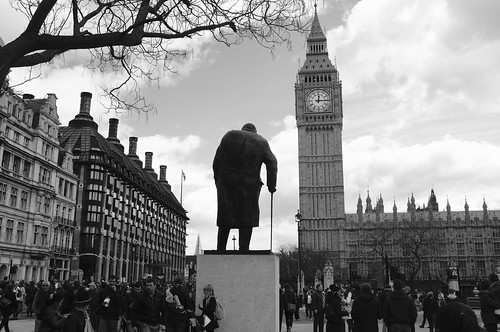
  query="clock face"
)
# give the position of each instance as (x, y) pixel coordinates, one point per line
(318, 101)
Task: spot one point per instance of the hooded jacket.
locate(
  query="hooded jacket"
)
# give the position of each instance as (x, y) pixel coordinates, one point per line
(399, 309)
(366, 312)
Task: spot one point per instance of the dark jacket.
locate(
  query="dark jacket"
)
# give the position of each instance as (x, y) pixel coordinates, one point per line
(366, 312)
(290, 297)
(8, 310)
(40, 302)
(236, 167)
(488, 306)
(208, 308)
(318, 302)
(116, 306)
(430, 305)
(149, 309)
(399, 309)
(75, 322)
(333, 309)
(51, 320)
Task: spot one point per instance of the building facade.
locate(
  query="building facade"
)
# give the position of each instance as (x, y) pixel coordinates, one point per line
(37, 191)
(129, 222)
(468, 240)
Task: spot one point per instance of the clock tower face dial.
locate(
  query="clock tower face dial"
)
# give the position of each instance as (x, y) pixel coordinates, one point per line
(318, 101)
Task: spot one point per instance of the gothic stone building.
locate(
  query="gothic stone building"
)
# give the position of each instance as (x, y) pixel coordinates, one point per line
(468, 239)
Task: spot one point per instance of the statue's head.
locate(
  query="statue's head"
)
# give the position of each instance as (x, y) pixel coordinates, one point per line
(249, 127)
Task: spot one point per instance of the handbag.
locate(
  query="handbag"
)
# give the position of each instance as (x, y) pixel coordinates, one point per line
(5, 302)
(291, 306)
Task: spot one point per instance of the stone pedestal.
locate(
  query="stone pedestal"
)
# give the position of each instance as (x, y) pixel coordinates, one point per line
(247, 286)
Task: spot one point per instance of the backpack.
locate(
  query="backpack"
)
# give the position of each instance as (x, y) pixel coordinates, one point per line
(219, 310)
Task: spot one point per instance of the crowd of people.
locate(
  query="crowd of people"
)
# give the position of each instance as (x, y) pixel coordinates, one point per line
(108, 306)
(394, 308)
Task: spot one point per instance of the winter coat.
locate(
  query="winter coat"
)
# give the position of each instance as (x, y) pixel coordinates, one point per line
(51, 320)
(236, 167)
(149, 309)
(399, 309)
(430, 306)
(488, 306)
(208, 308)
(318, 302)
(75, 322)
(116, 306)
(366, 312)
(40, 302)
(334, 313)
(8, 310)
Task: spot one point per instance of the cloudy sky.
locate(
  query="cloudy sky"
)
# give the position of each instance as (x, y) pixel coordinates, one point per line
(421, 99)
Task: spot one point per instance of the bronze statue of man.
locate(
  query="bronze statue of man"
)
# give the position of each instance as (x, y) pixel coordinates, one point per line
(236, 166)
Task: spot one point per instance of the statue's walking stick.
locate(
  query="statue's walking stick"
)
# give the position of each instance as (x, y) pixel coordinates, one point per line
(272, 221)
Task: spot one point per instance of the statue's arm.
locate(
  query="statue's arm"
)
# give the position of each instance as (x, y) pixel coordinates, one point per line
(272, 168)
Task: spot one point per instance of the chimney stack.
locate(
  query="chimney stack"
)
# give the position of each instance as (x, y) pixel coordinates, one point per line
(113, 128)
(149, 160)
(132, 146)
(28, 96)
(163, 172)
(85, 99)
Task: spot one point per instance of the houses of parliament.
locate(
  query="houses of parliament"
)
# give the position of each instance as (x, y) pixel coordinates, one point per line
(468, 241)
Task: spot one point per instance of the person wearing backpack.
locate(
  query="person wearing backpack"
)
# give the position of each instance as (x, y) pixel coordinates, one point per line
(208, 307)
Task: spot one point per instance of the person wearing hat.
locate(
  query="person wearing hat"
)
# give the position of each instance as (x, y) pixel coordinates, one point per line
(333, 310)
(237, 164)
(429, 306)
(78, 318)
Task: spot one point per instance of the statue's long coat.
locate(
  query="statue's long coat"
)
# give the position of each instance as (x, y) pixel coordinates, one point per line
(236, 166)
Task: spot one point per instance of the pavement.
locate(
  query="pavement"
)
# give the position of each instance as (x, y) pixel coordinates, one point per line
(27, 324)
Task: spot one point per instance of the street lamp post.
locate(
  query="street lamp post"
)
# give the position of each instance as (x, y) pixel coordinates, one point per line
(298, 218)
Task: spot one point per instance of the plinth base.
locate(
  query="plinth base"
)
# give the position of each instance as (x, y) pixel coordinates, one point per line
(247, 286)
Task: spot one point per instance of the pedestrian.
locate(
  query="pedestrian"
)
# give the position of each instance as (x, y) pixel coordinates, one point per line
(399, 311)
(283, 305)
(31, 290)
(366, 310)
(429, 306)
(208, 307)
(40, 302)
(130, 319)
(381, 298)
(318, 308)
(333, 310)
(291, 300)
(149, 309)
(109, 306)
(7, 305)
(309, 313)
(452, 297)
(79, 318)
(456, 317)
(237, 164)
(488, 306)
(51, 320)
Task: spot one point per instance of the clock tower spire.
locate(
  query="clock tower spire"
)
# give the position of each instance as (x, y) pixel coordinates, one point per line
(318, 112)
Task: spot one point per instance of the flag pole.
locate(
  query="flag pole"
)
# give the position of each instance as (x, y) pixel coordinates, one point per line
(182, 181)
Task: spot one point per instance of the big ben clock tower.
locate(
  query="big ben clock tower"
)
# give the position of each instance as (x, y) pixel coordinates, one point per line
(318, 109)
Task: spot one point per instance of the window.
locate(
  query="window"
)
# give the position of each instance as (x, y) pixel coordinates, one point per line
(36, 235)
(6, 160)
(45, 236)
(16, 137)
(496, 248)
(46, 205)
(26, 169)
(479, 248)
(24, 200)
(16, 167)
(13, 196)
(3, 192)
(39, 203)
(26, 142)
(20, 233)
(9, 230)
